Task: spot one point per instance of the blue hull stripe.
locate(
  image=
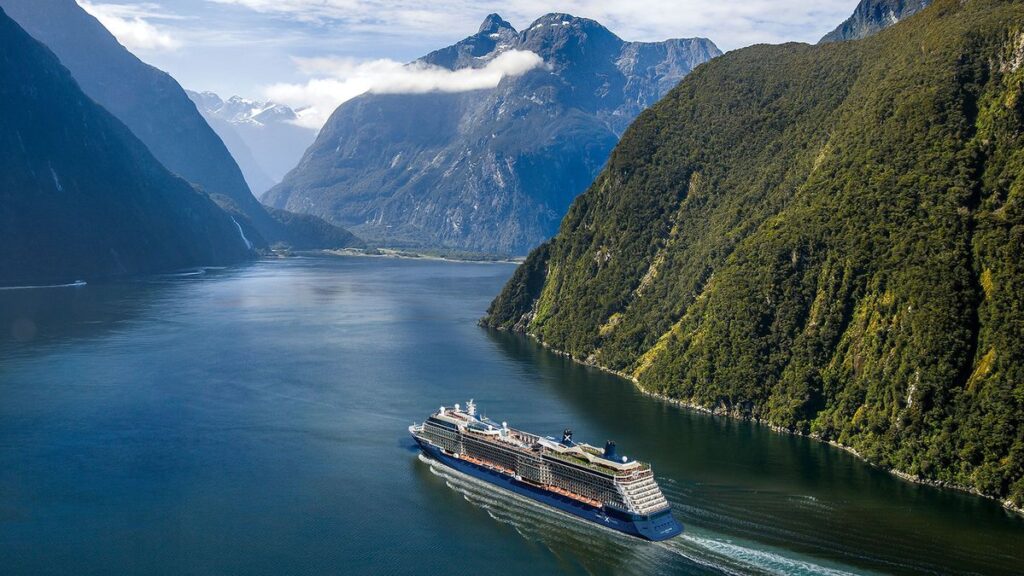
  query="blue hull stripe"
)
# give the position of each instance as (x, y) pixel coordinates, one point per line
(660, 528)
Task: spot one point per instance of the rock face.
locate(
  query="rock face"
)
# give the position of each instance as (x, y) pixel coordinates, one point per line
(153, 106)
(826, 239)
(262, 136)
(489, 170)
(871, 16)
(80, 196)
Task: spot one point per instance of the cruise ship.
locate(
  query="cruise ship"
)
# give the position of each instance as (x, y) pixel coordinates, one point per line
(594, 484)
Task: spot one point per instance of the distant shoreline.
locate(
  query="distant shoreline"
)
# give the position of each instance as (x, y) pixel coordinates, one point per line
(413, 255)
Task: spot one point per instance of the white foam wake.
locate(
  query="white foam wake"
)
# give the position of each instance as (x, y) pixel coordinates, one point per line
(560, 531)
(74, 284)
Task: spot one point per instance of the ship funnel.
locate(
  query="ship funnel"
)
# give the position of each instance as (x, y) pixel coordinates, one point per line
(567, 437)
(609, 451)
(471, 408)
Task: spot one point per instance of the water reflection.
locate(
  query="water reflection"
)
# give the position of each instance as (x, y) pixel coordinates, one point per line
(729, 478)
(253, 420)
(31, 318)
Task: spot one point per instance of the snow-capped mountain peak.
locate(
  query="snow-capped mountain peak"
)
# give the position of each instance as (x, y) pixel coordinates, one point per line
(262, 136)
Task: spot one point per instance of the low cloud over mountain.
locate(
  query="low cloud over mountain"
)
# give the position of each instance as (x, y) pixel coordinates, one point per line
(342, 79)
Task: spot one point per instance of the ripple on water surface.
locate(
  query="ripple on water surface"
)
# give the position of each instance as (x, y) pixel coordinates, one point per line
(252, 420)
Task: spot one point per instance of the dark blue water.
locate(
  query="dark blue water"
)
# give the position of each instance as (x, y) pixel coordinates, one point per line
(253, 421)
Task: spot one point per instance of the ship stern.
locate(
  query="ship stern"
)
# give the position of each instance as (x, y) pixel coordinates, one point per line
(659, 526)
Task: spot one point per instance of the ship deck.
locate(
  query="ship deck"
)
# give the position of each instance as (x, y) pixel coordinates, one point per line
(512, 473)
(519, 440)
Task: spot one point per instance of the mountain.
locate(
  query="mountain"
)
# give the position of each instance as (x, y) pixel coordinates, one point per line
(826, 239)
(871, 16)
(80, 196)
(255, 176)
(153, 106)
(262, 136)
(490, 170)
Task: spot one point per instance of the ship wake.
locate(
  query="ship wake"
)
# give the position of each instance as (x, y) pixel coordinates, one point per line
(601, 550)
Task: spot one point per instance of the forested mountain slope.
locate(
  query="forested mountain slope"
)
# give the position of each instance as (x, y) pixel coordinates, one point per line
(824, 238)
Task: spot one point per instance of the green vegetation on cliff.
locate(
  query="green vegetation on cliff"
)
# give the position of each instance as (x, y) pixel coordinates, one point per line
(827, 239)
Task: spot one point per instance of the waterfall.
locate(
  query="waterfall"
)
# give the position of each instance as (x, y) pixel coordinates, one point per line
(242, 233)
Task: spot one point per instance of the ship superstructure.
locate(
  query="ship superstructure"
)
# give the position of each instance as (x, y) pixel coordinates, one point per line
(587, 481)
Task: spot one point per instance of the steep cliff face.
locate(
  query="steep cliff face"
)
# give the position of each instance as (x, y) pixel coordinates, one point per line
(80, 196)
(826, 239)
(146, 99)
(153, 106)
(872, 16)
(489, 170)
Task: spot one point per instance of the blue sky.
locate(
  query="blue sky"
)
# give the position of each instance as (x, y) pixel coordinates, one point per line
(261, 48)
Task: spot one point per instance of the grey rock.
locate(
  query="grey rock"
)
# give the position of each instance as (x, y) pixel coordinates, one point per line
(493, 170)
(872, 16)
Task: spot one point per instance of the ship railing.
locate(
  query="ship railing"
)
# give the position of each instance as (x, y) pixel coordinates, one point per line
(641, 471)
(646, 510)
(648, 499)
(618, 505)
(643, 499)
(651, 501)
(645, 507)
(640, 484)
(577, 459)
(623, 496)
(644, 493)
(640, 487)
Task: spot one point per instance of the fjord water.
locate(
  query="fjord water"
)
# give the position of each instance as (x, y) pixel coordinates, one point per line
(253, 421)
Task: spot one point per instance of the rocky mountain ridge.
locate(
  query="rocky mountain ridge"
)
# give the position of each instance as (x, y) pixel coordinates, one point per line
(263, 137)
(872, 16)
(489, 170)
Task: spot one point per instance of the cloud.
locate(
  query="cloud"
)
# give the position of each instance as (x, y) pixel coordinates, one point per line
(131, 26)
(341, 79)
(241, 46)
(731, 24)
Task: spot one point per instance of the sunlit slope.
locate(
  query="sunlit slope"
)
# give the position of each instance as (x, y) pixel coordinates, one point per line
(827, 239)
